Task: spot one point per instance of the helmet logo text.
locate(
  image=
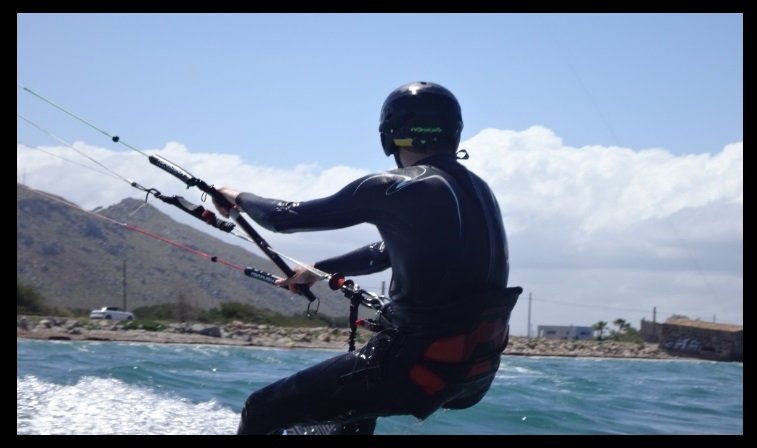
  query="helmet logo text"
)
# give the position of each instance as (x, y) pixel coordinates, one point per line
(426, 130)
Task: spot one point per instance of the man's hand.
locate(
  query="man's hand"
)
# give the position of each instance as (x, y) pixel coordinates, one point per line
(302, 276)
(230, 195)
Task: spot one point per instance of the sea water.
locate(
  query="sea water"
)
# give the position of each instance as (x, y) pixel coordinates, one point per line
(78, 387)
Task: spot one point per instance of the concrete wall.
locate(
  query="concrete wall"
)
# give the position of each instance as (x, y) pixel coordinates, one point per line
(705, 343)
(650, 331)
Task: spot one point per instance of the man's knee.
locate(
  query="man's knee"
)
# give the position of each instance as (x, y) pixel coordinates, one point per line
(255, 420)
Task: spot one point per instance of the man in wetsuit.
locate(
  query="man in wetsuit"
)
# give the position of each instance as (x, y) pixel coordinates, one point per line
(443, 236)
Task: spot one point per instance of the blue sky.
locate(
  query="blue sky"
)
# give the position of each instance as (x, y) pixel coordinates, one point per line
(609, 137)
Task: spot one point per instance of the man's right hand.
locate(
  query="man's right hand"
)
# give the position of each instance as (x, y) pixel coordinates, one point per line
(230, 195)
(302, 276)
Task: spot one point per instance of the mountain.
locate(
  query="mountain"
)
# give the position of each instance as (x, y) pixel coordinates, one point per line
(76, 260)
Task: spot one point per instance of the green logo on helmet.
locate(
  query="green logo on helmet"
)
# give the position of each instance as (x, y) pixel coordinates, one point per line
(421, 130)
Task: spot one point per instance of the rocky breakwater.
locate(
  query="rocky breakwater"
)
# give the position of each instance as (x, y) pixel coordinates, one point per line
(522, 346)
(235, 333)
(246, 334)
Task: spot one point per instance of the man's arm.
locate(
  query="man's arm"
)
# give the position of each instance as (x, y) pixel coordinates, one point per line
(365, 260)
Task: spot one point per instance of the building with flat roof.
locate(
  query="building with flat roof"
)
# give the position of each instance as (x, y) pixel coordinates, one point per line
(700, 339)
(564, 332)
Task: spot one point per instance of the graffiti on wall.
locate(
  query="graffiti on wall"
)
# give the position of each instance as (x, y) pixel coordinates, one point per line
(684, 345)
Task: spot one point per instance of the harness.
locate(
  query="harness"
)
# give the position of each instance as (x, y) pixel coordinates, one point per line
(468, 355)
(460, 350)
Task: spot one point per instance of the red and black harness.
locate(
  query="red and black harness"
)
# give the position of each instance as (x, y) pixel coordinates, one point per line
(462, 350)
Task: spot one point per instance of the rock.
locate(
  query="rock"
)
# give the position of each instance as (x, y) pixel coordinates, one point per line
(244, 334)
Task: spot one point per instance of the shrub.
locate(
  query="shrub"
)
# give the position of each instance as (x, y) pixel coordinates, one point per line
(144, 324)
(29, 300)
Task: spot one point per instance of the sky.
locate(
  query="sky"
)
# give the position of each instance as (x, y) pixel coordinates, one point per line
(613, 142)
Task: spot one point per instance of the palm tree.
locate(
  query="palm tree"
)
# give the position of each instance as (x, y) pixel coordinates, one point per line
(600, 326)
(622, 325)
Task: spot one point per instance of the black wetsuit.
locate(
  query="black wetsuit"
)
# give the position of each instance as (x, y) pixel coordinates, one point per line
(443, 237)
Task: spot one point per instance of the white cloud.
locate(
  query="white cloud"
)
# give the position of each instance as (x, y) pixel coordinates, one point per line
(600, 187)
(609, 227)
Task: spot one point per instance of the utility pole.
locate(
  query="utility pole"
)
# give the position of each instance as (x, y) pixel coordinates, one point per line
(528, 331)
(655, 331)
(383, 285)
(123, 282)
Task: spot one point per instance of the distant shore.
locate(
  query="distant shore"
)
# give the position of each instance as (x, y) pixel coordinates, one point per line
(256, 335)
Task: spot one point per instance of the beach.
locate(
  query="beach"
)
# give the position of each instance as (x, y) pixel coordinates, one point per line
(257, 335)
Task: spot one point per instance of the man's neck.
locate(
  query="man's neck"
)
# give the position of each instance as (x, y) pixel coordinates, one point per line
(409, 157)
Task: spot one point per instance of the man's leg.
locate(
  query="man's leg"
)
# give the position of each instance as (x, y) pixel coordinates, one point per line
(295, 399)
(342, 388)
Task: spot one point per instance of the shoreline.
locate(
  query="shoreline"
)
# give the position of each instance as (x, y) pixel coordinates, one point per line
(252, 335)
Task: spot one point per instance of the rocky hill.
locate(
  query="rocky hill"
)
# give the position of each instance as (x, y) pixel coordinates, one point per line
(76, 260)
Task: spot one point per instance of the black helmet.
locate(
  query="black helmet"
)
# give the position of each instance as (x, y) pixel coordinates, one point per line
(422, 115)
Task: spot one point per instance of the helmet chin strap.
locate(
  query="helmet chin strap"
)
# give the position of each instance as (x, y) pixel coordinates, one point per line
(397, 158)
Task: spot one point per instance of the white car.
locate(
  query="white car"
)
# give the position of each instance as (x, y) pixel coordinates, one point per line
(111, 312)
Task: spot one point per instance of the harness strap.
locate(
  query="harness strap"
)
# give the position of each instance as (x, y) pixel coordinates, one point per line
(354, 306)
(465, 355)
(461, 358)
